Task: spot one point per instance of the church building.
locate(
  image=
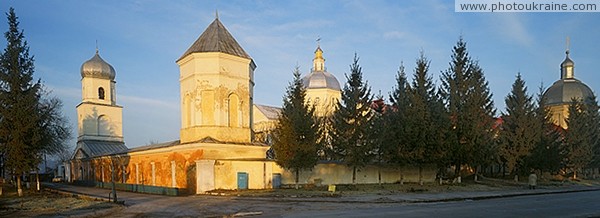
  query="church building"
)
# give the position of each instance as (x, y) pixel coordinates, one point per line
(216, 83)
(224, 136)
(563, 91)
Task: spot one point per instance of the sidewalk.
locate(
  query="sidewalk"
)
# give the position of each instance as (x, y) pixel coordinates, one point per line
(93, 193)
(131, 198)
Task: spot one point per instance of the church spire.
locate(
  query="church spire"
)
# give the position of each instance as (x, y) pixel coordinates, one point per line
(319, 61)
(567, 67)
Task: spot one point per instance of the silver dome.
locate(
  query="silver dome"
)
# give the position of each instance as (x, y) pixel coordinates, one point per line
(96, 67)
(321, 80)
(564, 90)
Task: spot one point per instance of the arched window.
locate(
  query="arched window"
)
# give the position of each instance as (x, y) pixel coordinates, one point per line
(233, 110)
(103, 126)
(101, 93)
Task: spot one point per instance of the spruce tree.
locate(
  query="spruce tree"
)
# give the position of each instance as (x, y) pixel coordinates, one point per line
(593, 112)
(394, 150)
(518, 135)
(19, 97)
(469, 105)
(422, 128)
(483, 110)
(548, 153)
(296, 135)
(351, 121)
(378, 133)
(578, 137)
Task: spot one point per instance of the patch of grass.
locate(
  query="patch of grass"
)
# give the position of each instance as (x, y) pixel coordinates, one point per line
(34, 203)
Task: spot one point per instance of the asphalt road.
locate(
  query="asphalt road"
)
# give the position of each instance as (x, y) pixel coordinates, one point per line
(579, 204)
(572, 204)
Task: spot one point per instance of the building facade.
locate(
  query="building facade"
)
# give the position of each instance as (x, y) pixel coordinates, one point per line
(224, 136)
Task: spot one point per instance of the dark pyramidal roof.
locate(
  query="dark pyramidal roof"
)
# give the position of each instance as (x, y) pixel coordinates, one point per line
(216, 38)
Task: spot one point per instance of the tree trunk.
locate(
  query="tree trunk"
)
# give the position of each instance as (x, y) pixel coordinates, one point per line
(420, 175)
(297, 178)
(19, 188)
(379, 175)
(457, 172)
(476, 172)
(353, 175)
(575, 174)
(37, 180)
(401, 177)
(516, 178)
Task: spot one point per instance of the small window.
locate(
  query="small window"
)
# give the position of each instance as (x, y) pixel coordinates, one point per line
(101, 93)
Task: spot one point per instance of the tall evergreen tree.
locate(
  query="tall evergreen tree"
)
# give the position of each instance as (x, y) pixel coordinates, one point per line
(593, 112)
(548, 153)
(468, 102)
(422, 128)
(394, 151)
(351, 121)
(518, 134)
(578, 137)
(378, 133)
(19, 97)
(296, 135)
(482, 107)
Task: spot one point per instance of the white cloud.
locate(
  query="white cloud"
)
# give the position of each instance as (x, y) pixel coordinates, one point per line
(512, 26)
(394, 35)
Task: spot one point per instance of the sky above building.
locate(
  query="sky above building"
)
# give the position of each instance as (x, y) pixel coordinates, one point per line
(142, 40)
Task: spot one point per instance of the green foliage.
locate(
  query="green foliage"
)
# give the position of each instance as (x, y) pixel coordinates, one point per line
(468, 101)
(352, 120)
(19, 97)
(423, 132)
(548, 153)
(579, 136)
(593, 112)
(32, 123)
(394, 152)
(519, 132)
(295, 140)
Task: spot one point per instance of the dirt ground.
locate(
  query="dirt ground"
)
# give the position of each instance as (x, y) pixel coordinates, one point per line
(46, 204)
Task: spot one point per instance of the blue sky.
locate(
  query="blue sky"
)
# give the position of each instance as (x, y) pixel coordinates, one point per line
(142, 40)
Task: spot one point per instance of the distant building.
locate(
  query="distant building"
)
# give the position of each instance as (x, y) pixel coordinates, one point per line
(322, 88)
(560, 94)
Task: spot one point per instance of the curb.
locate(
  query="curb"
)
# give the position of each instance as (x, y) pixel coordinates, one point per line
(81, 195)
(381, 200)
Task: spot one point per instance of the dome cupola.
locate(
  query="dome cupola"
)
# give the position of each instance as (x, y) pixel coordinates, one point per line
(567, 68)
(567, 88)
(96, 67)
(319, 78)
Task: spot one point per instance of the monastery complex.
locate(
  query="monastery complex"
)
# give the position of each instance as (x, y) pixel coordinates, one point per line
(224, 137)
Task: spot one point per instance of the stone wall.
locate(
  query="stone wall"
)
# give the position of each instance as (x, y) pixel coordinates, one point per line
(335, 173)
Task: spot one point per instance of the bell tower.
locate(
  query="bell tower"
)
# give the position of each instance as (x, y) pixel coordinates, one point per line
(98, 115)
(216, 88)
